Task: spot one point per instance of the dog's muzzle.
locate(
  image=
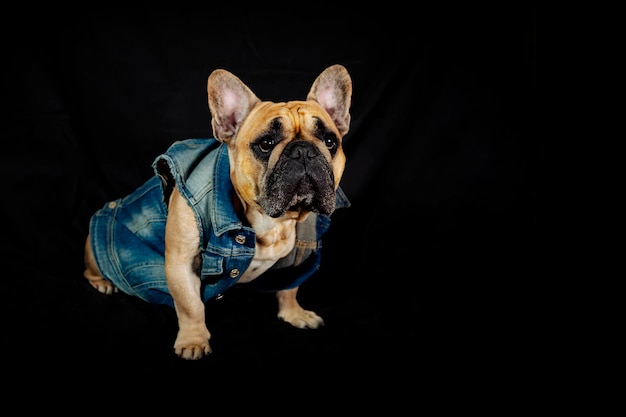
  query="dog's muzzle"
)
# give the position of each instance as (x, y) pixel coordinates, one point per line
(302, 179)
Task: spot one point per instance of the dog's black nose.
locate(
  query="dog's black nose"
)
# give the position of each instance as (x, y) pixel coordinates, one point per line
(301, 149)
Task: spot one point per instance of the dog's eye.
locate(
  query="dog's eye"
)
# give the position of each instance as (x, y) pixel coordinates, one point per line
(327, 136)
(266, 144)
(330, 142)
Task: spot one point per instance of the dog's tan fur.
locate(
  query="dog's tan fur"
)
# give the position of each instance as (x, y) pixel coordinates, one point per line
(238, 118)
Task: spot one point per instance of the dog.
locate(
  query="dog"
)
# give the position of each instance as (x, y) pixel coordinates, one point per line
(246, 207)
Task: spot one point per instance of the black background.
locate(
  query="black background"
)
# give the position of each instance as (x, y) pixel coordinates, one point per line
(422, 276)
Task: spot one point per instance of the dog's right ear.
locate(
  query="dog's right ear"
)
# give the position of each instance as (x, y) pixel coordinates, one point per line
(230, 101)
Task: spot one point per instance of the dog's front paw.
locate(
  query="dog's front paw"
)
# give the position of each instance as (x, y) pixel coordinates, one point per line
(301, 318)
(192, 345)
(192, 351)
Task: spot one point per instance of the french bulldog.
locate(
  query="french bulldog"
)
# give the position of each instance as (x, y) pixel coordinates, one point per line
(246, 207)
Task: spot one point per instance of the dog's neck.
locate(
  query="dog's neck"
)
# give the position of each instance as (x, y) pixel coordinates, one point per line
(275, 237)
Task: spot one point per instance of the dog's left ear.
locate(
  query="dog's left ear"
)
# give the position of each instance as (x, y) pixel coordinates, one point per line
(333, 91)
(230, 101)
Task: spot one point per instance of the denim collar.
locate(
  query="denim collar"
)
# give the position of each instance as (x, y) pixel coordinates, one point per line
(223, 217)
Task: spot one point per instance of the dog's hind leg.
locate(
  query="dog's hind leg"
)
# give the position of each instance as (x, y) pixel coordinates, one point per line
(93, 274)
(290, 311)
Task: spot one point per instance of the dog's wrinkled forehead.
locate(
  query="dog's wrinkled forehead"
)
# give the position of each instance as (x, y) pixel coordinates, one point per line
(293, 120)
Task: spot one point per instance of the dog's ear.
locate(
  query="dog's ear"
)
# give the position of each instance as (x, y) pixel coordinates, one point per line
(333, 91)
(230, 101)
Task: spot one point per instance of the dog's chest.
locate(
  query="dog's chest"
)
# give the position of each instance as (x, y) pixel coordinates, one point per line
(271, 245)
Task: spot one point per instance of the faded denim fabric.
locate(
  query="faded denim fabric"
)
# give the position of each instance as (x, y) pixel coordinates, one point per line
(128, 234)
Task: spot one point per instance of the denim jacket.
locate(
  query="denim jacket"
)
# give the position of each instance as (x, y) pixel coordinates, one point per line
(128, 234)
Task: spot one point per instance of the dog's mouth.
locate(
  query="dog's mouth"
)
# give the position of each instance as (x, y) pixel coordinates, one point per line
(298, 196)
(301, 180)
(303, 198)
